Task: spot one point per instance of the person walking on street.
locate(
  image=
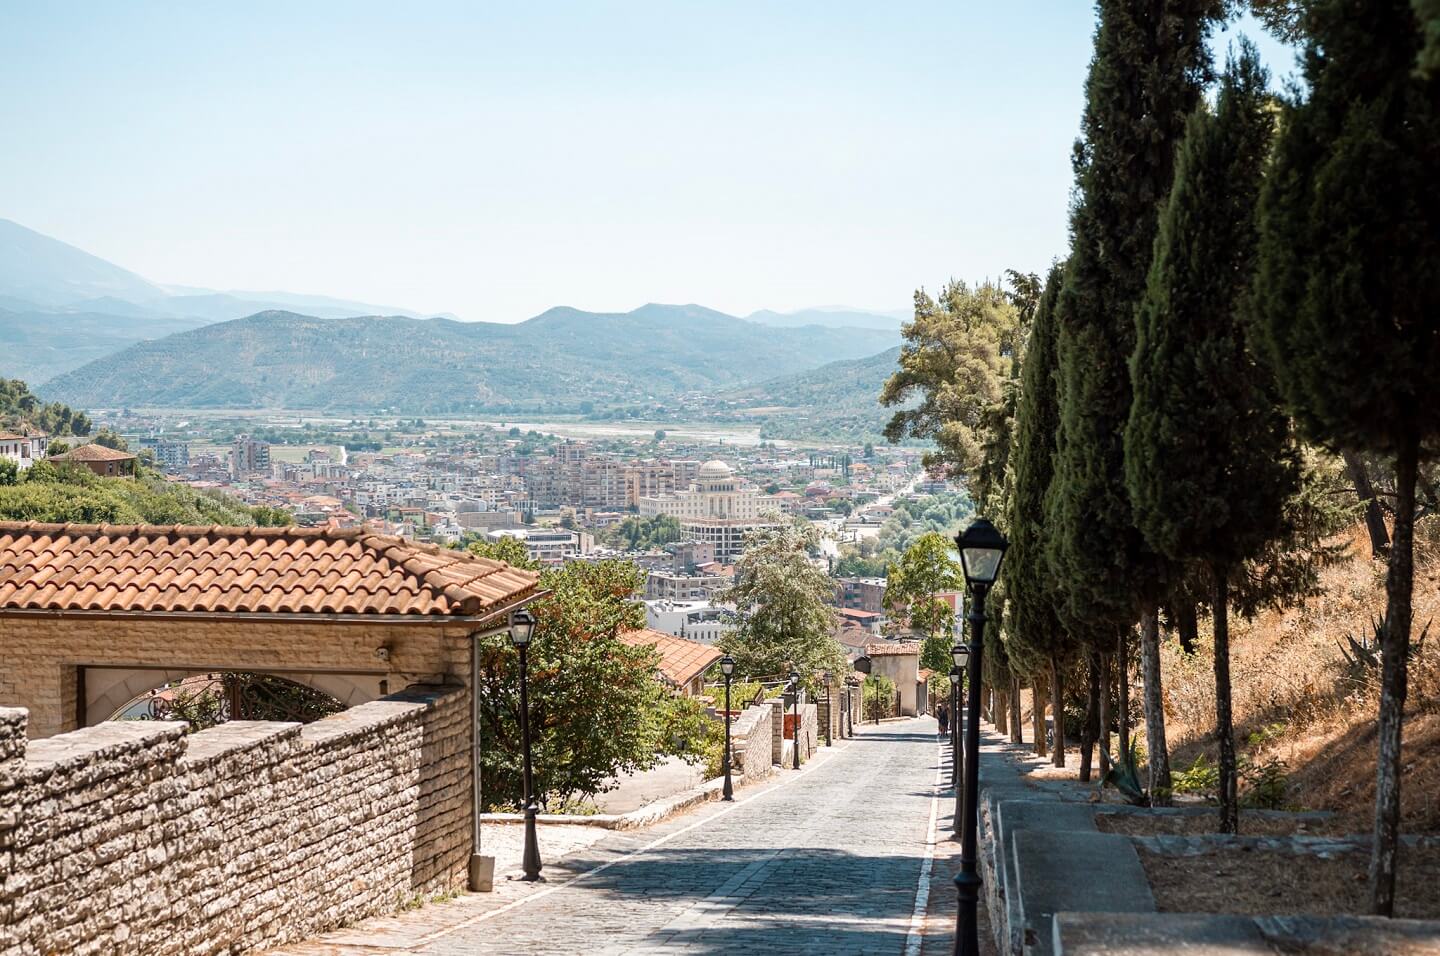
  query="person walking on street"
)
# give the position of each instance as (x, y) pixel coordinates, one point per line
(942, 714)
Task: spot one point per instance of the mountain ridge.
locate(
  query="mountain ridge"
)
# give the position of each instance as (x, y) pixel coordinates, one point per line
(561, 358)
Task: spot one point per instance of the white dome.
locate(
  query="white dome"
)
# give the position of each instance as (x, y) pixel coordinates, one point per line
(715, 470)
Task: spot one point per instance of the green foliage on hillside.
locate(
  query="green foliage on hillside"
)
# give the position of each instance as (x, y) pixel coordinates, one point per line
(70, 493)
(21, 408)
(552, 363)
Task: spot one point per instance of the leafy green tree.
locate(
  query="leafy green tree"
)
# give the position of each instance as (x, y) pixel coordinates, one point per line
(9, 472)
(784, 606)
(1208, 459)
(635, 533)
(913, 588)
(1145, 79)
(1348, 297)
(75, 494)
(510, 550)
(1428, 12)
(957, 354)
(110, 439)
(1036, 643)
(597, 708)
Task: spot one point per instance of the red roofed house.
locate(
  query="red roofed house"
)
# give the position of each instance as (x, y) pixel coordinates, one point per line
(682, 663)
(900, 661)
(105, 462)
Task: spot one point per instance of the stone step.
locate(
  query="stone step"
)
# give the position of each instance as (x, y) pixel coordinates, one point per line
(1071, 871)
(1145, 934)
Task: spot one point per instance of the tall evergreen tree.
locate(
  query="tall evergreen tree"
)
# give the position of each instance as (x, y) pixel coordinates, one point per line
(1348, 296)
(1149, 67)
(1208, 460)
(1036, 640)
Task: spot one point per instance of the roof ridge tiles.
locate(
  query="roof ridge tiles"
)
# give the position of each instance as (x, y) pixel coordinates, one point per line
(201, 569)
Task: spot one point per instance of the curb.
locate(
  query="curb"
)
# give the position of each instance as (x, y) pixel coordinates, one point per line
(649, 814)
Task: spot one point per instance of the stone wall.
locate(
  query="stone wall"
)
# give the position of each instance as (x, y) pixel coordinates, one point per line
(41, 666)
(136, 838)
(751, 742)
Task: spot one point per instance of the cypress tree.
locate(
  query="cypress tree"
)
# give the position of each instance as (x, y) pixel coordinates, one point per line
(1207, 456)
(1348, 296)
(1036, 640)
(1146, 76)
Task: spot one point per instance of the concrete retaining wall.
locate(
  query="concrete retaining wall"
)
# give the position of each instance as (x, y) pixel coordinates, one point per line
(134, 837)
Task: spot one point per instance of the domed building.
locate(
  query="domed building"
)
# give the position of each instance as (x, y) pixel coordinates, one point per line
(719, 508)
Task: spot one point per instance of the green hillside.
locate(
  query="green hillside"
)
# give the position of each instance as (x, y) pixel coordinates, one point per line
(553, 361)
(838, 400)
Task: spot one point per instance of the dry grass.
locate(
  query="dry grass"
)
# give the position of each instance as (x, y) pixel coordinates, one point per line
(1251, 824)
(1296, 700)
(1247, 881)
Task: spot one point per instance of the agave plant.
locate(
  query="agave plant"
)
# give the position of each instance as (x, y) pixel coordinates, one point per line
(1124, 776)
(1362, 657)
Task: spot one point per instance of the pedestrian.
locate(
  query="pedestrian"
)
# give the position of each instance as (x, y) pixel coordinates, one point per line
(942, 714)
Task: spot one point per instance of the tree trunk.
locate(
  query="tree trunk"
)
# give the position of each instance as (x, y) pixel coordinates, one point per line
(1057, 708)
(1037, 717)
(1374, 518)
(1154, 707)
(1016, 730)
(1104, 714)
(1394, 658)
(1187, 625)
(1224, 725)
(1091, 728)
(1122, 698)
(1002, 711)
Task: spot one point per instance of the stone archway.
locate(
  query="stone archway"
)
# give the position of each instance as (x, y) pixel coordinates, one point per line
(108, 691)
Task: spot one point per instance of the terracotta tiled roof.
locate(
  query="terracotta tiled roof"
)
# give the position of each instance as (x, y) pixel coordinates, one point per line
(885, 648)
(140, 568)
(681, 661)
(92, 452)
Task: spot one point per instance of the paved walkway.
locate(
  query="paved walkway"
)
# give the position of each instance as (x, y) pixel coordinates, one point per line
(824, 860)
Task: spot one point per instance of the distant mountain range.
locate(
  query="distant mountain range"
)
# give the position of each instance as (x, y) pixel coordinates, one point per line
(835, 317)
(558, 361)
(838, 400)
(107, 336)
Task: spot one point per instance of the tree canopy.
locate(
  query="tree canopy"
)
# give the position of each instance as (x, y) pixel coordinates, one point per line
(784, 605)
(1348, 296)
(957, 353)
(925, 571)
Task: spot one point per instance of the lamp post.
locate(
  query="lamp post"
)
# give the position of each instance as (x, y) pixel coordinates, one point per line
(959, 654)
(795, 689)
(727, 667)
(522, 628)
(957, 674)
(982, 548)
(829, 709)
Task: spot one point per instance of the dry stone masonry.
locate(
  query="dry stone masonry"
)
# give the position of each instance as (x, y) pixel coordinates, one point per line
(134, 837)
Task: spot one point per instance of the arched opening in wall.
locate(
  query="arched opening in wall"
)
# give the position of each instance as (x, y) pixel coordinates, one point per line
(206, 700)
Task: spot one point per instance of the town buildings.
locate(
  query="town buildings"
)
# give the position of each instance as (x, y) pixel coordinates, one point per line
(23, 450)
(249, 457)
(718, 509)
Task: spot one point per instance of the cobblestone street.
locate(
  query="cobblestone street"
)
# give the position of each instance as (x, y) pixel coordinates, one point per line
(827, 860)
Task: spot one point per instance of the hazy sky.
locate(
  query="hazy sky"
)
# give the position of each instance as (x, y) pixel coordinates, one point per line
(494, 159)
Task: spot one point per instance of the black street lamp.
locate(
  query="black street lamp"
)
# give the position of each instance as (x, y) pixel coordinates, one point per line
(829, 709)
(795, 689)
(727, 667)
(957, 676)
(982, 548)
(522, 628)
(959, 654)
